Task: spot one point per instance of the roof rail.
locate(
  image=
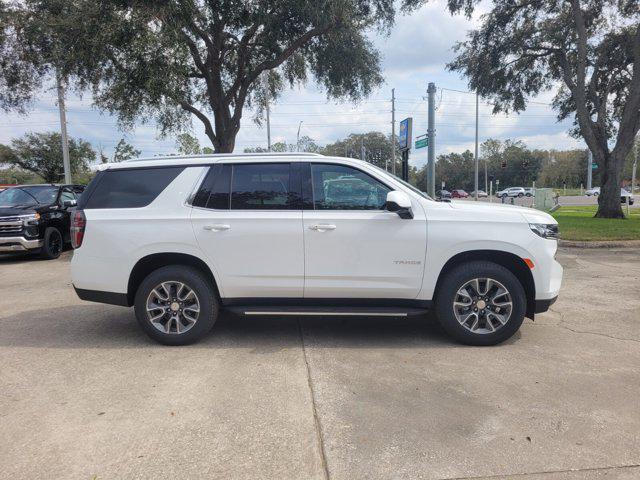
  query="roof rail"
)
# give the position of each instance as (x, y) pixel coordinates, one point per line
(228, 155)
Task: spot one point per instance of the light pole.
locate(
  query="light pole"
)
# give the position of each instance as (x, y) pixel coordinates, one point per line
(298, 137)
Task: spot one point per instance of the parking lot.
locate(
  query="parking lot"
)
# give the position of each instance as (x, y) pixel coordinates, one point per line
(85, 394)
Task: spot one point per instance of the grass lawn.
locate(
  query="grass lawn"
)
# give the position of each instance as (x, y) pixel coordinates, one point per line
(578, 224)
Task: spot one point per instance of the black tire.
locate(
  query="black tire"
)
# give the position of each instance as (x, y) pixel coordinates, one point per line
(520, 194)
(455, 279)
(52, 244)
(193, 279)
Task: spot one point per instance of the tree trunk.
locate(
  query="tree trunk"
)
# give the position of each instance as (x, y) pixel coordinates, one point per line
(609, 198)
(225, 142)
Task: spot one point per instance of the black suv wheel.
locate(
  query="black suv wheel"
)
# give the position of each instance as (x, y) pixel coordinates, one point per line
(52, 244)
(176, 305)
(480, 303)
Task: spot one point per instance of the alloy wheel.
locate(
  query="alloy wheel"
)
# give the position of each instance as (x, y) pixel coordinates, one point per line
(173, 307)
(55, 243)
(483, 305)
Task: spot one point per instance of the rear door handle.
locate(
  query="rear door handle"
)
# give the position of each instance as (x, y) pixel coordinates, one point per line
(322, 227)
(216, 228)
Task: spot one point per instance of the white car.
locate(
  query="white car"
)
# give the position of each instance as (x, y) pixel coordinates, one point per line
(592, 192)
(180, 238)
(511, 192)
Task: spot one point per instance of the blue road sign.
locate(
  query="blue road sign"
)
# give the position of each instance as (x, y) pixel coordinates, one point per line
(404, 137)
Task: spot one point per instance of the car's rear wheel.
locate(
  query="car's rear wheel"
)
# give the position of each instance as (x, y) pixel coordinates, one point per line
(52, 244)
(176, 305)
(480, 303)
(521, 194)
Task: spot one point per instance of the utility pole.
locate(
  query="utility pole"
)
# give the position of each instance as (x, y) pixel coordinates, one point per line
(475, 176)
(393, 131)
(589, 169)
(635, 165)
(431, 133)
(298, 136)
(268, 111)
(363, 156)
(63, 130)
(486, 186)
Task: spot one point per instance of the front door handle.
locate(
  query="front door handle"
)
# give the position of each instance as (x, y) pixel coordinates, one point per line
(322, 227)
(216, 228)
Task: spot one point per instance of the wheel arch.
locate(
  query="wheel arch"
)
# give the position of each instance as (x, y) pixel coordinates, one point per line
(154, 261)
(508, 260)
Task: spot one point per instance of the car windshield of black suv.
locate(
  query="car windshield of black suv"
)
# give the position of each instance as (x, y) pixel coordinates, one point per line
(28, 196)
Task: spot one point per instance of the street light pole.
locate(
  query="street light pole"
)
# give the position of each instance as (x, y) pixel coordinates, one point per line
(393, 131)
(475, 176)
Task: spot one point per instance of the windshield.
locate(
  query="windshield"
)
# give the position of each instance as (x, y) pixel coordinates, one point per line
(406, 184)
(28, 196)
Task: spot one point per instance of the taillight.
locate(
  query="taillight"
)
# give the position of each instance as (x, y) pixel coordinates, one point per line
(78, 224)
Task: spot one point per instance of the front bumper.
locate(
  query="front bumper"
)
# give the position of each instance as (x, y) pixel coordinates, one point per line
(19, 244)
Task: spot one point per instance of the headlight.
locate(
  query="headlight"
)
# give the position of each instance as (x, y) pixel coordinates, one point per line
(545, 230)
(30, 219)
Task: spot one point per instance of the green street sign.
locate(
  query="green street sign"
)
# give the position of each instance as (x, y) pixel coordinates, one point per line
(422, 142)
(594, 166)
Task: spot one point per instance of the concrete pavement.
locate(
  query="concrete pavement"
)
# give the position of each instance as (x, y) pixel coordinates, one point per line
(84, 393)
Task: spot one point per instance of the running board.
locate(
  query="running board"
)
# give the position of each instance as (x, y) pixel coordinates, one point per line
(329, 311)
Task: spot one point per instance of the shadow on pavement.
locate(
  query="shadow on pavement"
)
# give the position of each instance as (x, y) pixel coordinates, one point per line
(97, 326)
(22, 257)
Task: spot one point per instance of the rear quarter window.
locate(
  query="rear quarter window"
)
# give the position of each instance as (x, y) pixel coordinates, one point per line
(132, 188)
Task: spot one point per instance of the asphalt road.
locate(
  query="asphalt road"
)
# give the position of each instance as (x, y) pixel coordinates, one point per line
(566, 201)
(84, 394)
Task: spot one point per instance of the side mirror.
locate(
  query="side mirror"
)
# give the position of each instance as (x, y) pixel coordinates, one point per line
(70, 203)
(400, 203)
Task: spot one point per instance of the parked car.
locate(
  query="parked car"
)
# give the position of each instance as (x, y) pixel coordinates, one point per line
(459, 194)
(180, 238)
(625, 195)
(443, 194)
(530, 192)
(36, 218)
(511, 192)
(481, 194)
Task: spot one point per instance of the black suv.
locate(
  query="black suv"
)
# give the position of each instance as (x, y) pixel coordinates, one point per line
(36, 218)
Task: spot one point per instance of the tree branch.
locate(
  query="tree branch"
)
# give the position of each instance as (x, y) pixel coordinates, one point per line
(201, 116)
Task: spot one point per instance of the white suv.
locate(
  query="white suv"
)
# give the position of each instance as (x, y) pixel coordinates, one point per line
(512, 192)
(299, 234)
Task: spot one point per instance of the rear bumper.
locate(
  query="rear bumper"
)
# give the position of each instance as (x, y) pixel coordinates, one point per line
(19, 244)
(542, 306)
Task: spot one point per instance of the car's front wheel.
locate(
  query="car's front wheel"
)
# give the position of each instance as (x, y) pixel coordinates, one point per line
(480, 303)
(176, 305)
(52, 244)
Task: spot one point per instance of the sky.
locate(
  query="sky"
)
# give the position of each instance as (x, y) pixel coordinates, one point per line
(415, 53)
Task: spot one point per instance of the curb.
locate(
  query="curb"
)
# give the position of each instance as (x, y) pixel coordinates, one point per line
(600, 244)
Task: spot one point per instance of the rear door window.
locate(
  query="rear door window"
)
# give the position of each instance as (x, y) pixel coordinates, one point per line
(131, 188)
(215, 189)
(262, 186)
